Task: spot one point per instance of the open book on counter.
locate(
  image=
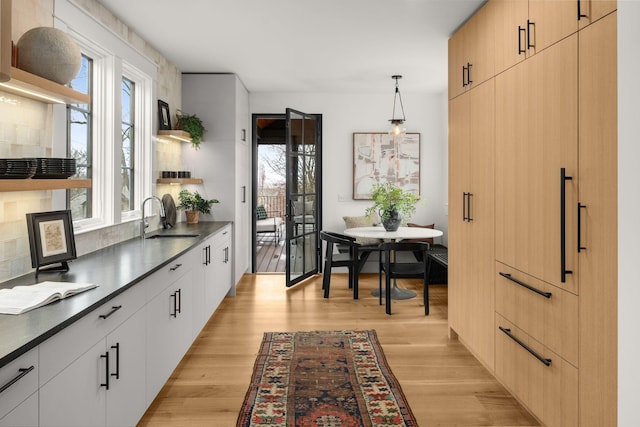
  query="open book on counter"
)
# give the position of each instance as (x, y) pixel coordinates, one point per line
(20, 299)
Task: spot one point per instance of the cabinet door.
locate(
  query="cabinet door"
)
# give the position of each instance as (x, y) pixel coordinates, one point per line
(457, 226)
(75, 397)
(536, 136)
(126, 399)
(169, 332)
(480, 46)
(479, 283)
(457, 76)
(218, 282)
(598, 183)
(552, 20)
(510, 14)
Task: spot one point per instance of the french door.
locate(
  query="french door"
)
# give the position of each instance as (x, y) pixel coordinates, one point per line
(303, 190)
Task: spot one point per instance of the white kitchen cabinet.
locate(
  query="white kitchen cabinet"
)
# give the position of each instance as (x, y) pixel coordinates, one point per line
(18, 382)
(212, 276)
(169, 330)
(104, 386)
(223, 160)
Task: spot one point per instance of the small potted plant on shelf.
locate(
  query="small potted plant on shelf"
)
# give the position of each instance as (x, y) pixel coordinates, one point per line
(193, 204)
(394, 205)
(192, 124)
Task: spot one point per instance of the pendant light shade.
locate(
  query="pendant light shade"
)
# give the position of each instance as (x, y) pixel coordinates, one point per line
(397, 124)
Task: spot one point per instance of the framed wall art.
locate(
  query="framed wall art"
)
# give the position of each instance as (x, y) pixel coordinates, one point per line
(164, 118)
(379, 157)
(51, 240)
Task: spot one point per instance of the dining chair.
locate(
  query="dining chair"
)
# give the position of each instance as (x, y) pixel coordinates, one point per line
(394, 269)
(353, 259)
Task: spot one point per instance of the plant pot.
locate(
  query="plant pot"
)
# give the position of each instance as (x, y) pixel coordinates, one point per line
(192, 217)
(392, 222)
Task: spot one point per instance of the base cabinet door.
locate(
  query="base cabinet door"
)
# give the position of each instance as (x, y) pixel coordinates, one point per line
(218, 281)
(169, 332)
(76, 397)
(126, 399)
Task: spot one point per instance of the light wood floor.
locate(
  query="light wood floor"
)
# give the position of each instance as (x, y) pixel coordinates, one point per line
(444, 384)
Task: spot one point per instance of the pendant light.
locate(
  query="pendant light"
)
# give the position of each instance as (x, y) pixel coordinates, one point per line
(397, 128)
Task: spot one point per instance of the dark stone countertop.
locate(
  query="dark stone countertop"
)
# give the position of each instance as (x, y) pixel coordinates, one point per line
(114, 268)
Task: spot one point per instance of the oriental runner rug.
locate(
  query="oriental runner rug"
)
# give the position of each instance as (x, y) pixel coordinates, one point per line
(323, 379)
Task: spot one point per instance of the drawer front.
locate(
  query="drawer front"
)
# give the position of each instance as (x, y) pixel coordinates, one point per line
(63, 348)
(18, 380)
(549, 392)
(551, 319)
(158, 281)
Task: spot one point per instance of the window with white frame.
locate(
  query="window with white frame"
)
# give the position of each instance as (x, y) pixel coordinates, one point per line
(111, 137)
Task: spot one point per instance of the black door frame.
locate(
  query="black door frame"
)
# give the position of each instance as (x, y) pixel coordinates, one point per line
(254, 180)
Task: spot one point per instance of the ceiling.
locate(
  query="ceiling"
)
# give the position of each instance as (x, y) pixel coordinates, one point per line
(304, 45)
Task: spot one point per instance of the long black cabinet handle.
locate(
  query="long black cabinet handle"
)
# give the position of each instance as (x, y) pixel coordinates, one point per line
(531, 288)
(464, 80)
(106, 366)
(580, 207)
(179, 298)
(469, 210)
(520, 31)
(469, 81)
(563, 226)
(117, 349)
(464, 206)
(21, 373)
(580, 14)
(113, 310)
(529, 26)
(547, 362)
(175, 304)
(244, 192)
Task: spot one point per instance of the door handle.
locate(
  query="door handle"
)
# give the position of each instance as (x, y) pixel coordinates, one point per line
(563, 226)
(520, 31)
(529, 26)
(580, 207)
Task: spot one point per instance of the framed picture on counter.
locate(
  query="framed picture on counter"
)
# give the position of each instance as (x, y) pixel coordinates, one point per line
(51, 240)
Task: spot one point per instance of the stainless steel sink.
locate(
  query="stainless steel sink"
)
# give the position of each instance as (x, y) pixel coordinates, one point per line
(171, 236)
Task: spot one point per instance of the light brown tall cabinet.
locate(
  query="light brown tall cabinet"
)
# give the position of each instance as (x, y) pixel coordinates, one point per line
(532, 277)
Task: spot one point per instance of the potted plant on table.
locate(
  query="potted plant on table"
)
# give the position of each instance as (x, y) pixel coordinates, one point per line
(394, 205)
(192, 124)
(193, 204)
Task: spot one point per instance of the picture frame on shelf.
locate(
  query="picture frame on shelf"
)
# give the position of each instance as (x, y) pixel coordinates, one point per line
(164, 116)
(51, 240)
(379, 157)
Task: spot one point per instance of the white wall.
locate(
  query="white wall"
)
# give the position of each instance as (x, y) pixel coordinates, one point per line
(345, 113)
(628, 213)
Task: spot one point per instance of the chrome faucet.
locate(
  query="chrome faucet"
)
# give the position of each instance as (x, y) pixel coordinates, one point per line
(143, 222)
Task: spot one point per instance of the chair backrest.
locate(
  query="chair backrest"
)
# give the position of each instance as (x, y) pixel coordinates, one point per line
(427, 240)
(337, 238)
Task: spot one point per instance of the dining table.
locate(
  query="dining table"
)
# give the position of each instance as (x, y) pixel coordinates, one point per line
(402, 233)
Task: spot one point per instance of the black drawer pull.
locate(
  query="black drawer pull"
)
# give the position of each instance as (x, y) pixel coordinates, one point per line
(531, 288)
(547, 362)
(113, 310)
(175, 267)
(21, 373)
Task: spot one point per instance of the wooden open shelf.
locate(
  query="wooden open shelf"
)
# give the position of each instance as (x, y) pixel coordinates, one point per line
(179, 181)
(176, 134)
(42, 184)
(35, 87)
